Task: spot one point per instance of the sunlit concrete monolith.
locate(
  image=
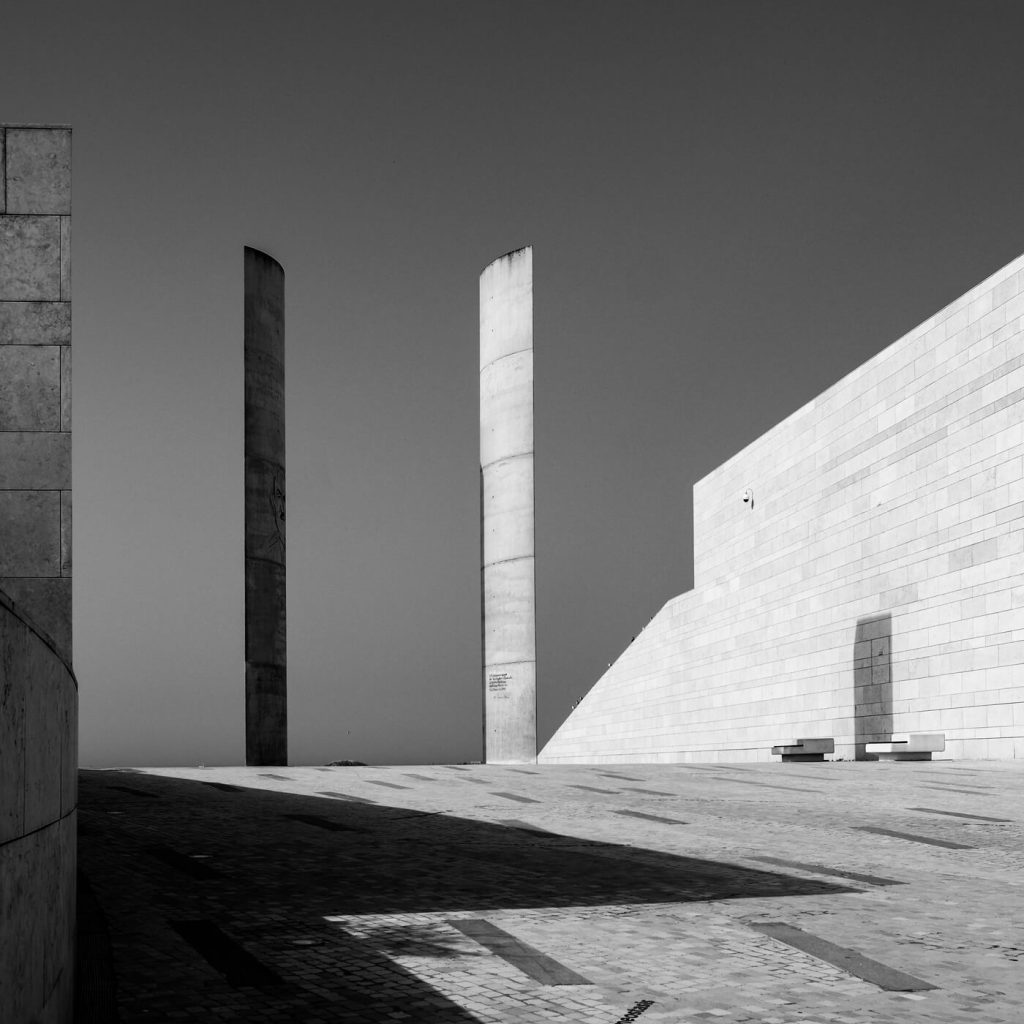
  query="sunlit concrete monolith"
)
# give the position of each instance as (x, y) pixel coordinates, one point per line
(507, 530)
(266, 701)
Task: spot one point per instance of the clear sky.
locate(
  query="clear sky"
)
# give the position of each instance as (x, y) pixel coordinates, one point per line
(732, 204)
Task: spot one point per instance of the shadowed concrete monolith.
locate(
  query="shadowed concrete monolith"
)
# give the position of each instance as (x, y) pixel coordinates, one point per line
(266, 699)
(506, 487)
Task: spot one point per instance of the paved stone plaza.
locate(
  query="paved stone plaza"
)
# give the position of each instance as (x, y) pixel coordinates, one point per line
(598, 895)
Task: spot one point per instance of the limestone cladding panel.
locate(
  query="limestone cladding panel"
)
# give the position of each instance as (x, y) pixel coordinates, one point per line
(873, 584)
(34, 460)
(35, 323)
(38, 170)
(30, 258)
(3, 170)
(29, 387)
(29, 533)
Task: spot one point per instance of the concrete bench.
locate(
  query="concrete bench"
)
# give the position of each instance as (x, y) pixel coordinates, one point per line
(806, 750)
(914, 746)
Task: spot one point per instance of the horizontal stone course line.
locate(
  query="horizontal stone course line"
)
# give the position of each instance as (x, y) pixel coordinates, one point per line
(710, 571)
(849, 960)
(516, 797)
(782, 501)
(920, 415)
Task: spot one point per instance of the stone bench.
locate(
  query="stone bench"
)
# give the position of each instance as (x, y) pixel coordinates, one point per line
(806, 750)
(914, 746)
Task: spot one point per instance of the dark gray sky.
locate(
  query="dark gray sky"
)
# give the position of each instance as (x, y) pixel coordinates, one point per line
(732, 204)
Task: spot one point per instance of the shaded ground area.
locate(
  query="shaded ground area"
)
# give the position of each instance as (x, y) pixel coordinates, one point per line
(456, 893)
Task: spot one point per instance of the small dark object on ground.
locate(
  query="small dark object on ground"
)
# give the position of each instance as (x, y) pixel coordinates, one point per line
(346, 764)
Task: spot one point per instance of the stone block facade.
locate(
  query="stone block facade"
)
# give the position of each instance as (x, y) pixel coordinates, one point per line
(870, 583)
(35, 376)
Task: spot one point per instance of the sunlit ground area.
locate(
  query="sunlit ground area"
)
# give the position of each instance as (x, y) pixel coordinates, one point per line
(836, 893)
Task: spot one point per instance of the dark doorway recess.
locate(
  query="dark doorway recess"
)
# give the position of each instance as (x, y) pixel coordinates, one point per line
(872, 683)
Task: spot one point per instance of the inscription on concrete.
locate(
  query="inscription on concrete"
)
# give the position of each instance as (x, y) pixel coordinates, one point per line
(497, 684)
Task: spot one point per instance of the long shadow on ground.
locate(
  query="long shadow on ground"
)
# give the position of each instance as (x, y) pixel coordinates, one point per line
(194, 878)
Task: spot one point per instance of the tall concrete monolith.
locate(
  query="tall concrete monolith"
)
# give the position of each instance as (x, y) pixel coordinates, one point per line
(507, 520)
(266, 699)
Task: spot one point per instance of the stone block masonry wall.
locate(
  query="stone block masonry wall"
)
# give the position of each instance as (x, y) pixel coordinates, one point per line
(872, 585)
(35, 375)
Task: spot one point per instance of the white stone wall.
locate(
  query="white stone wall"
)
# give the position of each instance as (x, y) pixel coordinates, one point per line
(873, 585)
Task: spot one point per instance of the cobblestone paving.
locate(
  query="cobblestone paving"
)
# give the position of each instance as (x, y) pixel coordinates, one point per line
(330, 894)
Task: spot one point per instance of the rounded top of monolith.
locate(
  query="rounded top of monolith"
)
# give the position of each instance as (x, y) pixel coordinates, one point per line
(260, 254)
(510, 255)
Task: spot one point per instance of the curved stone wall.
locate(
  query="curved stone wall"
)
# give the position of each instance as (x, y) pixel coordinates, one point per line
(871, 582)
(506, 490)
(38, 821)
